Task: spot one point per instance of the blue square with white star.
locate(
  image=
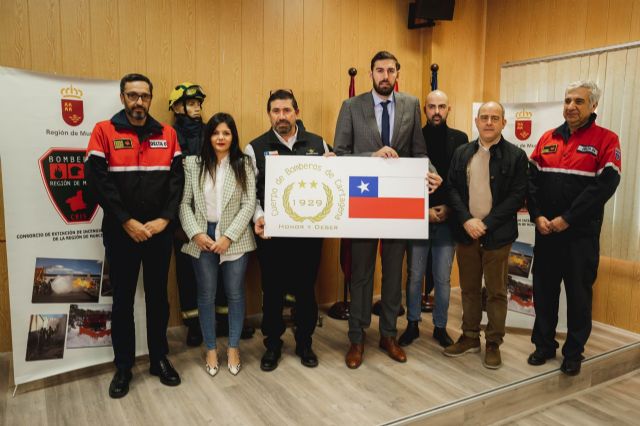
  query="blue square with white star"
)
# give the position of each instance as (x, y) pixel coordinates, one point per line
(363, 186)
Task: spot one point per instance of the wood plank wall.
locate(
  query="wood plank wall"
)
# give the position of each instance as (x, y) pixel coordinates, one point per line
(237, 50)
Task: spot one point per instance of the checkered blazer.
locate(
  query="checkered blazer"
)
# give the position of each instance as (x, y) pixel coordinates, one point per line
(237, 211)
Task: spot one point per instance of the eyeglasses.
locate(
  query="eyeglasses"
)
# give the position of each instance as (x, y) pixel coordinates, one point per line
(271, 92)
(133, 96)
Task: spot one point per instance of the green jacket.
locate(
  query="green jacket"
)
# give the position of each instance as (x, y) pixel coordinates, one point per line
(237, 211)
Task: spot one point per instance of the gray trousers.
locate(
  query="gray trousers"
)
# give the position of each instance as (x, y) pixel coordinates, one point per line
(364, 253)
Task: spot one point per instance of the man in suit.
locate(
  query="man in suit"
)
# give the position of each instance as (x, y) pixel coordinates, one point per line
(441, 141)
(286, 264)
(385, 124)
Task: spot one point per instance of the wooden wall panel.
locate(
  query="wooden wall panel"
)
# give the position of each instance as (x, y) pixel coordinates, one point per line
(230, 71)
(132, 43)
(207, 53)
(236, 50)
(44, 36)
(273, 54)
(252, 53)
(159, 55)
(105, 62)
(183, 32)
(75, 25)
(458, 48)
(15, 48)
(5, 311)
(293, 42)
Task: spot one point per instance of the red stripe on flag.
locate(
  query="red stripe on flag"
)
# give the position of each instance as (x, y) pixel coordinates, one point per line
(386, 208)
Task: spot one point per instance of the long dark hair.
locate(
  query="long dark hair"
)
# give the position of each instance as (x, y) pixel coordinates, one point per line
(236, 157)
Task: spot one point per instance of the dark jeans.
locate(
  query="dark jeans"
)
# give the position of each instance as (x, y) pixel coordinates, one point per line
(289, 265)
(125, 256)
(574, 259)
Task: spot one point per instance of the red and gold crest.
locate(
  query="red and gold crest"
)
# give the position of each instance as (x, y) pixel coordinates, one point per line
(523, 124)
(71, 103)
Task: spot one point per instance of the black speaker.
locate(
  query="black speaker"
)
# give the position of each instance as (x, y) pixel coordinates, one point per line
(424, 13)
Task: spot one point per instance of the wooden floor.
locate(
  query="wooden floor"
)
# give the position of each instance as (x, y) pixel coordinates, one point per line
(612, 403)
(379, 391)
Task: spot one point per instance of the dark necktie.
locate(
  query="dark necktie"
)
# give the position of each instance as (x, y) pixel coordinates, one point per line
(384, 130)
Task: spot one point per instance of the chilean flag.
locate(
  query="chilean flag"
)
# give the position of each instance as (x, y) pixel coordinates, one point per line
(386, 197)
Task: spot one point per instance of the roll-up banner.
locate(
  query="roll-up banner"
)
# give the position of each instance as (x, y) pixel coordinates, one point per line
(59, 290)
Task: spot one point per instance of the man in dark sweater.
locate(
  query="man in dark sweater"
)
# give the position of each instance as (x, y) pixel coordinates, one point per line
(441, 142)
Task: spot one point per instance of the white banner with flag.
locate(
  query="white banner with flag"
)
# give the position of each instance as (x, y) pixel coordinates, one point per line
(60, 295)
(350, 197)
(526, 123)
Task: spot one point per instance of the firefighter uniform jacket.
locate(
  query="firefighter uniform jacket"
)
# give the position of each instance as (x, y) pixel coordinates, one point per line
(573, 175)
(134, 172)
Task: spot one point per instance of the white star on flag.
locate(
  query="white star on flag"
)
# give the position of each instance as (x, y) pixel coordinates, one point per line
(363, 187)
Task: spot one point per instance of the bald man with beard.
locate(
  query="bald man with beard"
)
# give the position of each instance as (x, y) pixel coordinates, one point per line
(441, 142)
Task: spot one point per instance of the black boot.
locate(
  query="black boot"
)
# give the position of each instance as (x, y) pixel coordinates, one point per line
(410, 334)
(194, 334)
(440, 334)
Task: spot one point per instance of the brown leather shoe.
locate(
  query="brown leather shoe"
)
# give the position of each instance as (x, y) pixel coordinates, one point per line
(390, 346)
(354, 356)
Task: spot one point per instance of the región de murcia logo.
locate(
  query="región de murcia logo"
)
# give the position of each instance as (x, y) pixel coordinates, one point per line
(71, 104)
(523, 124)
(62, 171)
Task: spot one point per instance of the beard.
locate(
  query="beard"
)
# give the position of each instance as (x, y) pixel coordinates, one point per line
(137, 112)
(431, 123)
(384, 91)
(283, 127)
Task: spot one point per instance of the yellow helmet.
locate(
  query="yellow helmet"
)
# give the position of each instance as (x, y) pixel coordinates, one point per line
(184, 91)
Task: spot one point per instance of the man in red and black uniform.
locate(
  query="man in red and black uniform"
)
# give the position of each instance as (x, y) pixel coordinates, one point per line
(134, 170)
(575, 169)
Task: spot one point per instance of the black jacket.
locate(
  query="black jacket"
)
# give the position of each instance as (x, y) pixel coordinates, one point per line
(190, 133)
(446, 140)
(307, 143)
(508, 167)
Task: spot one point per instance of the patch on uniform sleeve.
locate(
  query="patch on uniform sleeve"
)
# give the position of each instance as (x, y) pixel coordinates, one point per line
(618, 154)
(588, 149)
(122, 144)
(157, 143)
(550, 149)
(271, 153)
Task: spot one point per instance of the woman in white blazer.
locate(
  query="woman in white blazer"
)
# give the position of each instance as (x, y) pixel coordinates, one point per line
(216, 210)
